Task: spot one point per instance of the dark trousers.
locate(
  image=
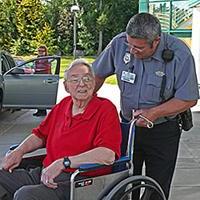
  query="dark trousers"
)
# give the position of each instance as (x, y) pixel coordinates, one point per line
(158, 149)
(25, 185)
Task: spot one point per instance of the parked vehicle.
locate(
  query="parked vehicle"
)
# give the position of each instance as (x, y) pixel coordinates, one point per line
(22, 87)
(18, 60)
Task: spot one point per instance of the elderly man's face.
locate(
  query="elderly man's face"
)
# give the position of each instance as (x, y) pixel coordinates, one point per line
(80, 83)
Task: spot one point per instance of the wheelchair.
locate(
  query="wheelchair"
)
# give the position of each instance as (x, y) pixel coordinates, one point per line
(118, 185)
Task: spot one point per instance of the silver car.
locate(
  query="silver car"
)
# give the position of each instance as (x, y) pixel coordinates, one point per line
(21, 86)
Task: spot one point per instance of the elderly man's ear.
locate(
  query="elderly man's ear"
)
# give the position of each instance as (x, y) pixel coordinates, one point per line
(65, 85)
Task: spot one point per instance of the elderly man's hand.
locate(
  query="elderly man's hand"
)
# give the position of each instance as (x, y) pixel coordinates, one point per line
(51, 172)
(12, 160)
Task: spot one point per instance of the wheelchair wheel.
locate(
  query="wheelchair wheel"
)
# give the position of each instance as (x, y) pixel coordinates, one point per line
(143, 186)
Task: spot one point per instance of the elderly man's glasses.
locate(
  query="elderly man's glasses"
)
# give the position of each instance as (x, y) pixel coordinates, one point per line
(77, 79)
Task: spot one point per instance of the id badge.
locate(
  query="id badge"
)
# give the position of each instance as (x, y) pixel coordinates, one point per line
(128, 77)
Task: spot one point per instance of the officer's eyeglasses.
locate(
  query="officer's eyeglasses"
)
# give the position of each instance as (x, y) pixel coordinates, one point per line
(77, 79)
(133, 47)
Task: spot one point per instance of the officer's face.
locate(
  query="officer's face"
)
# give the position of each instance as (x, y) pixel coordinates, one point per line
(140, 48)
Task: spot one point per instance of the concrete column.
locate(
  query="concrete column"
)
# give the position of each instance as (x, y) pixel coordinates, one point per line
(196, 40)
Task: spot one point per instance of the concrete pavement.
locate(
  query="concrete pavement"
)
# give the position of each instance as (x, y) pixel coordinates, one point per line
(186, 182)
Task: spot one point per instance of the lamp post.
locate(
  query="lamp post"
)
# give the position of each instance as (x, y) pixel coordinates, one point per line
(74, 10)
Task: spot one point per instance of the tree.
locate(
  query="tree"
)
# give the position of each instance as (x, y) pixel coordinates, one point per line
(118, 13)
(29, 21)
(24, 24)
(8, 29)
(58, 15)
(102, 19)
(46, 37)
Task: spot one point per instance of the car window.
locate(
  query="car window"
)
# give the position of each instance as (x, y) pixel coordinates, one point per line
(10, 61)
(18, 60)
(5, 64)
(40, 66)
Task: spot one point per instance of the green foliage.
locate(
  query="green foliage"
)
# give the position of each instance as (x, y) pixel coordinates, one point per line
(26, 24)
(108, 16)
(46, 37)
(64, 30)
(102, 20)
(30, 20)
(8, 30)
(58, 15)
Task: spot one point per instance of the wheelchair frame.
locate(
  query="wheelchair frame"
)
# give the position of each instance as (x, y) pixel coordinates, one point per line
(106, 187)
(117, 180)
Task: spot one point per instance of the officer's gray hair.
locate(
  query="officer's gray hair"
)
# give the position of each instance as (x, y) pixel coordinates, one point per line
(77, 62)
(144, 26)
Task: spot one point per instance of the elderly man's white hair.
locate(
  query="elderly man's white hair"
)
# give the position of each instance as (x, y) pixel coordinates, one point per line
(76, 62)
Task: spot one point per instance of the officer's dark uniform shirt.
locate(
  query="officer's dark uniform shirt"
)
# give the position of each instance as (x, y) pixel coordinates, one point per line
(144, 91)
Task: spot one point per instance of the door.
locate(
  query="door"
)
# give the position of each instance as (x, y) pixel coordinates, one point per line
(33, 84)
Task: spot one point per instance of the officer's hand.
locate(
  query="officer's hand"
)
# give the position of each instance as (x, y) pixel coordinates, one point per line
(12, 160)
(147, 113)
(51, 172)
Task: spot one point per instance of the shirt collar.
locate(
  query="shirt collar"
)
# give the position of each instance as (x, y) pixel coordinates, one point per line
(90, 110)
(161, 46)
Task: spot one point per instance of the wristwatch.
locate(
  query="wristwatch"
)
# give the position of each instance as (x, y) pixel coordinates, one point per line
(66, 162)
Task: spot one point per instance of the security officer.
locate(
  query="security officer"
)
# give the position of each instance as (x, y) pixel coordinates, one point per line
(157, 79)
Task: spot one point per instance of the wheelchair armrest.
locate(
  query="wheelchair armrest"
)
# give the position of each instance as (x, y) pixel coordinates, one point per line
(30, 160)
(90, 167)
(122, 160)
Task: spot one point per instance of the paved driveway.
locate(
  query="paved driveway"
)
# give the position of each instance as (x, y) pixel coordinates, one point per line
(186, 183)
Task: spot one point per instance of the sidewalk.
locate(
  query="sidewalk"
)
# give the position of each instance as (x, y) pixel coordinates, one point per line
(186, 182)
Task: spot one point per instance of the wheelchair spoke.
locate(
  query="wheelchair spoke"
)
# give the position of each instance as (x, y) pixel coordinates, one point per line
(136, 184)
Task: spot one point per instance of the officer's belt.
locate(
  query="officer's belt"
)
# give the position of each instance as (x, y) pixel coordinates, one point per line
(158, 121)
(164, 119)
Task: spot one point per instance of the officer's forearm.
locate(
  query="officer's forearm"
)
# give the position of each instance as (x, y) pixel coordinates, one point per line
(99, 82)
(172, 107)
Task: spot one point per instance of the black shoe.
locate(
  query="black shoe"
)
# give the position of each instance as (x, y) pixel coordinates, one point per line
(40, 113)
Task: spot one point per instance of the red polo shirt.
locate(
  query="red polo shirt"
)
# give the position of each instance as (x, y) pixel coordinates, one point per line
(67, 135)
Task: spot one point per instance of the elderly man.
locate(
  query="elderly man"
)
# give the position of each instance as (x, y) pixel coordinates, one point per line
(82, 128)
(157, 79)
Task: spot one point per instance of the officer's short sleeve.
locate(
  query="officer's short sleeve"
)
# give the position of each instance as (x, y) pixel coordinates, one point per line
(186, 79)
(103, 66)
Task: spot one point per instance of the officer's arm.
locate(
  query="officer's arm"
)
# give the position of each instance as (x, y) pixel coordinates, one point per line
(170, 108)
(99, 82)
(173, 107)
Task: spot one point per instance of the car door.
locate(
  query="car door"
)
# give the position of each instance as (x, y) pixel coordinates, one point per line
(25, 87)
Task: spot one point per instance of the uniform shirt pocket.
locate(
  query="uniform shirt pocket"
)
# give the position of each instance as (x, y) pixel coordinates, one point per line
(152, 88)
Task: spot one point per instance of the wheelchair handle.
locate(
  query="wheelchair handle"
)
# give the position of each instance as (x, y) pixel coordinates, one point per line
(149, 122)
